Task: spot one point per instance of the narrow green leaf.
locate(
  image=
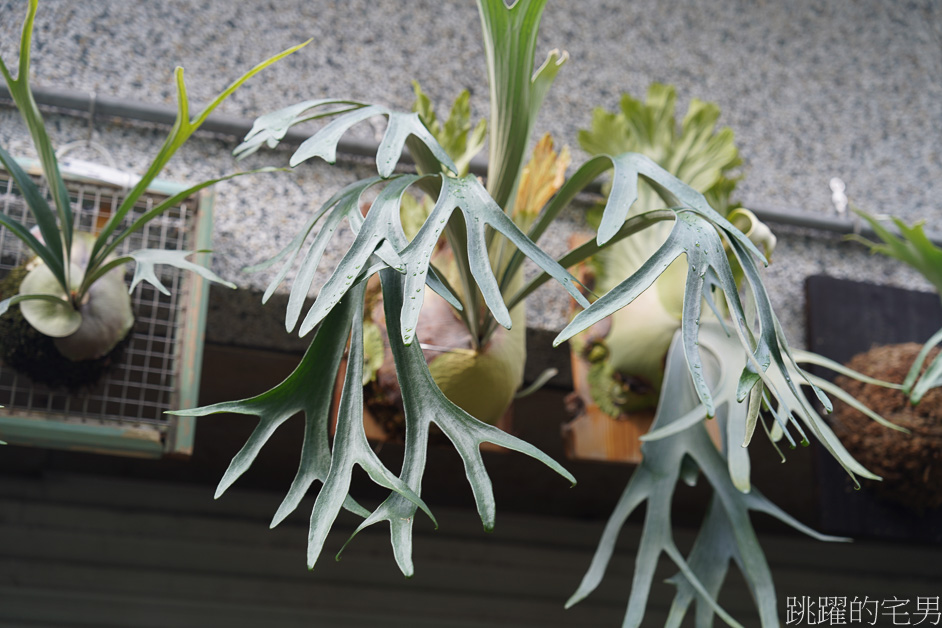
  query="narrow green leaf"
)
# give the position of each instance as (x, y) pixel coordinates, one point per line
(930, 379)
(840, 393)
(541, 380)
(913, 248)
(53, 316)
(92, 273)
(52, 251)
(25, 103)
(43, 252)
(580, 253)
(916, 368)
(181, 131)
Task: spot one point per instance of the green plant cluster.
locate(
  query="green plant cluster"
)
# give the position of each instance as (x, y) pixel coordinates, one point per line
(728, 359)
(74, 291)
(914, 248)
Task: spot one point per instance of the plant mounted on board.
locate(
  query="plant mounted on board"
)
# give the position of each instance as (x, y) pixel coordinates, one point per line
(728, 360)
(618, 365)
(73, 291)
(914, 248)
(908, 459)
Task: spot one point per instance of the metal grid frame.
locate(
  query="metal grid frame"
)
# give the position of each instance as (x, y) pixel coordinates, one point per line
(124, 411)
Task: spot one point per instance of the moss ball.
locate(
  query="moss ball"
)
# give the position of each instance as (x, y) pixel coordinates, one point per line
(33, 354)
(910, 464)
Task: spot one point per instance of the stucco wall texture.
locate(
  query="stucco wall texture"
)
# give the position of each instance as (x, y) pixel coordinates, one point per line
(812, 90)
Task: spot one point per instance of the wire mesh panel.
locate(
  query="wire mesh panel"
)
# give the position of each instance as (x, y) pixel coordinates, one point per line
(141, 383)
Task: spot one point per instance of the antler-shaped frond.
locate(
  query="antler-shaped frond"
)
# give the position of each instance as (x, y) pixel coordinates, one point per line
(424, 405)
(698, 233)
(309, 389)
(271, 128)
(381, 233)
(727, 532)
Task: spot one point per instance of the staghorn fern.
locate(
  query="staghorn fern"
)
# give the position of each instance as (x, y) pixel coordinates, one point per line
(757, 368)
(912, 247)
(74, 291)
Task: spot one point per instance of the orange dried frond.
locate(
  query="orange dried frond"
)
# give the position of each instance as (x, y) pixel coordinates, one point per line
(541, 178)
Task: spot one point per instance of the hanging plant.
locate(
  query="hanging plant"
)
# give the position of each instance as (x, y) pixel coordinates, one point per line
(73, 293)
(726, 362)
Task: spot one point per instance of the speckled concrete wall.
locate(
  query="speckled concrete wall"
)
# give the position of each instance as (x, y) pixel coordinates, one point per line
(811, 89)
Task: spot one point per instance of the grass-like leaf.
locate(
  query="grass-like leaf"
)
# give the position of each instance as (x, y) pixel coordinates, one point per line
(933, 375)
(56, 228)
(182, 129)
(26, 105)
(912, 246)
(50, 251)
